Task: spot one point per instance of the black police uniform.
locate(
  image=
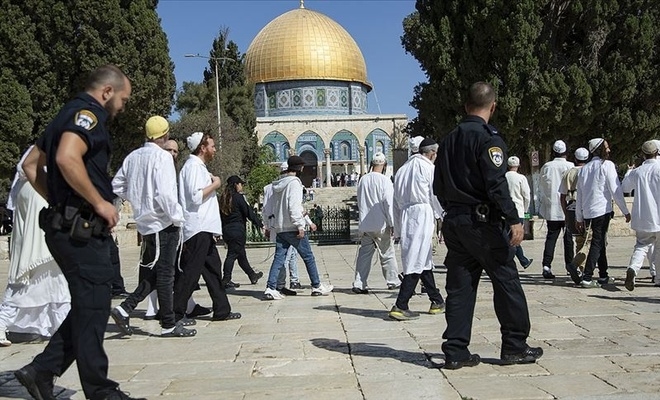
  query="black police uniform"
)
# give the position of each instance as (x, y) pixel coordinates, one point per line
(86, 264)
(470, 184)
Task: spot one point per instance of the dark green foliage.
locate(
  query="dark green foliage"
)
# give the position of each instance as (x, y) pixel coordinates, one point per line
(49, 46)
(569, 69)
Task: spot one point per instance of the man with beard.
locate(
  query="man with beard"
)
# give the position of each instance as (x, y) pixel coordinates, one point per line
(76, 150)
(201, 213)
(598, 184)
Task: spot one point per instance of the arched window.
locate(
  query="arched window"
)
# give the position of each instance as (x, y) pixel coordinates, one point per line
(345, 151)
(285, 152)
(380, 147)
(271, 148)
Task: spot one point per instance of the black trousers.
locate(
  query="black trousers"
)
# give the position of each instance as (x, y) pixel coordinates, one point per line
(598, 249)
(234, 236)
(199, 256)
(474, 247)
(159, 276)
(88, 271)
(118, 281)
(409, 283)
(554, 229)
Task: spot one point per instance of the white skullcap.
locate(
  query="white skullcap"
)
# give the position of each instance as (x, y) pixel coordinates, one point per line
(513, 161)
(581, 154)
(194, 140)
(649, 147)
(284, 166)
(379, 159)
(595, 143)
(559, 147)
(414, 143)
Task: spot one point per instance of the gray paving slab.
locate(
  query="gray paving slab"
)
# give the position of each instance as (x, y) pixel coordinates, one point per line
(600, 344)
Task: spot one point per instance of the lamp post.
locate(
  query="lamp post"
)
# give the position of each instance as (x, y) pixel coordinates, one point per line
(217, 84)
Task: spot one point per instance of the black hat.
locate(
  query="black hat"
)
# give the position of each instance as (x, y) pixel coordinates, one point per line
(233, 180)
(427, 142)
(295, 163)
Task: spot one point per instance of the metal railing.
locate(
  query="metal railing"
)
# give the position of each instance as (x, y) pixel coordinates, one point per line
(333, 228)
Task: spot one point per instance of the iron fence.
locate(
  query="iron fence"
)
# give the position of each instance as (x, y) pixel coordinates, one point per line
(333, 228)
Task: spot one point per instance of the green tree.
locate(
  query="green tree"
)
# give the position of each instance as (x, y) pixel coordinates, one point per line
(570, 69)
(51, 45)
(261, 175)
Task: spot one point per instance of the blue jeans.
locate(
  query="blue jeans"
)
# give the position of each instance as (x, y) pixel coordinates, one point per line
(283, 241)
(291, 262)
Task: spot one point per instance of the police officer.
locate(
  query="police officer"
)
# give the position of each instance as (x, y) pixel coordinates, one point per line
(471, 186)
(76, 149)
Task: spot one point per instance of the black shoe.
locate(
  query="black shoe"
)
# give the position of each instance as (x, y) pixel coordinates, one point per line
(529, 262)
(232, 315)
(574, 272)
(119, 395)
(472, 361)
(295, 285)
(357, 290)
(198, 311)
(287, 292)
(255, 277)
(547, 274)
(38, 384)
(527, 356)
(231, 285)
(123, 323)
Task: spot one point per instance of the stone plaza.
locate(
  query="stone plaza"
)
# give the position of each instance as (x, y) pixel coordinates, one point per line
(598, 343)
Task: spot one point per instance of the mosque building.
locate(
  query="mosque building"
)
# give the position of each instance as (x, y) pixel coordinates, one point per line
(310, 99)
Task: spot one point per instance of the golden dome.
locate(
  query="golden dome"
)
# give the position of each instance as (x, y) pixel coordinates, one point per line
(304, 44)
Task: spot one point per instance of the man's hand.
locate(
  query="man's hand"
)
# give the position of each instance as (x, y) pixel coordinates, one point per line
(215, 181)
(301, 233)
(579, 226)
(108, 212)
(517, 234)
(313, 227)
(628, 217)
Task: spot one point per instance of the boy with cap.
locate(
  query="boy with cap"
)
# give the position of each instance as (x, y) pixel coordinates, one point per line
(375, 196)
(567, 194)
(521, 196)
(550, 207)
(288, 223)
(145, 180)
(598, 184)
(416, 211)
(199, 255)
(645, 181)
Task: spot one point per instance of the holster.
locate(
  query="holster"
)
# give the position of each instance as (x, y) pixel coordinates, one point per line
(76, 217)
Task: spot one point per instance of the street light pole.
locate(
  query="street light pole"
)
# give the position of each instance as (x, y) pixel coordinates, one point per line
(217, 86)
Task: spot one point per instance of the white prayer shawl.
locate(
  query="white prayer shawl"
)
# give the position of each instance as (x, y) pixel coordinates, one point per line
(645, 181)
(549, 180)
(415, 212)
(519, 190)
(200, 214)
(375, 197)
(598, 184)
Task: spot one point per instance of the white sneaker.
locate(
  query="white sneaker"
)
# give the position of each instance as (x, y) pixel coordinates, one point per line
(272, 294)
(322, 290)
(4, 342)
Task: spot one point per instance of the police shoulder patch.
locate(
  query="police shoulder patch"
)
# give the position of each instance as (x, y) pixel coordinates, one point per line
(85, 119)
(496, 156)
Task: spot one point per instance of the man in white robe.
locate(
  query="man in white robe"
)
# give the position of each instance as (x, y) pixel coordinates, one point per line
(416, 210)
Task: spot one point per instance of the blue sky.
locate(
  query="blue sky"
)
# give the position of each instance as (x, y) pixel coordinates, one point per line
(376, 26)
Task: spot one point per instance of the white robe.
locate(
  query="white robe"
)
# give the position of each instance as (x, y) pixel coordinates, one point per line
(37, 296)
(415, 212)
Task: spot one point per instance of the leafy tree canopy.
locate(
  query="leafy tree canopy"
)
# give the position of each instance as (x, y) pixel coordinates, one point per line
(563, 69)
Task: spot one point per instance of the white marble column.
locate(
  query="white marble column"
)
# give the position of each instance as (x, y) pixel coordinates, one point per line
(328, 169)
(363, 168)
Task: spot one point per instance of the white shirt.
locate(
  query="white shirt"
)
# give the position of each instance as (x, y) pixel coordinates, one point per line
(645, 181)
(597, 185)
(145, 180)
(519, 190)
(549, 180)
(201, 215)
(375, 196)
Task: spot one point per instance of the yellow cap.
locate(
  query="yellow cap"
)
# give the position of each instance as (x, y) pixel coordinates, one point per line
(156, 127)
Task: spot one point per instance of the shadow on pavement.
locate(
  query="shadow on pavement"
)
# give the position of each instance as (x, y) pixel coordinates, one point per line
(368, 313)
(377, 350)
(652, 300)
(10, 388)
